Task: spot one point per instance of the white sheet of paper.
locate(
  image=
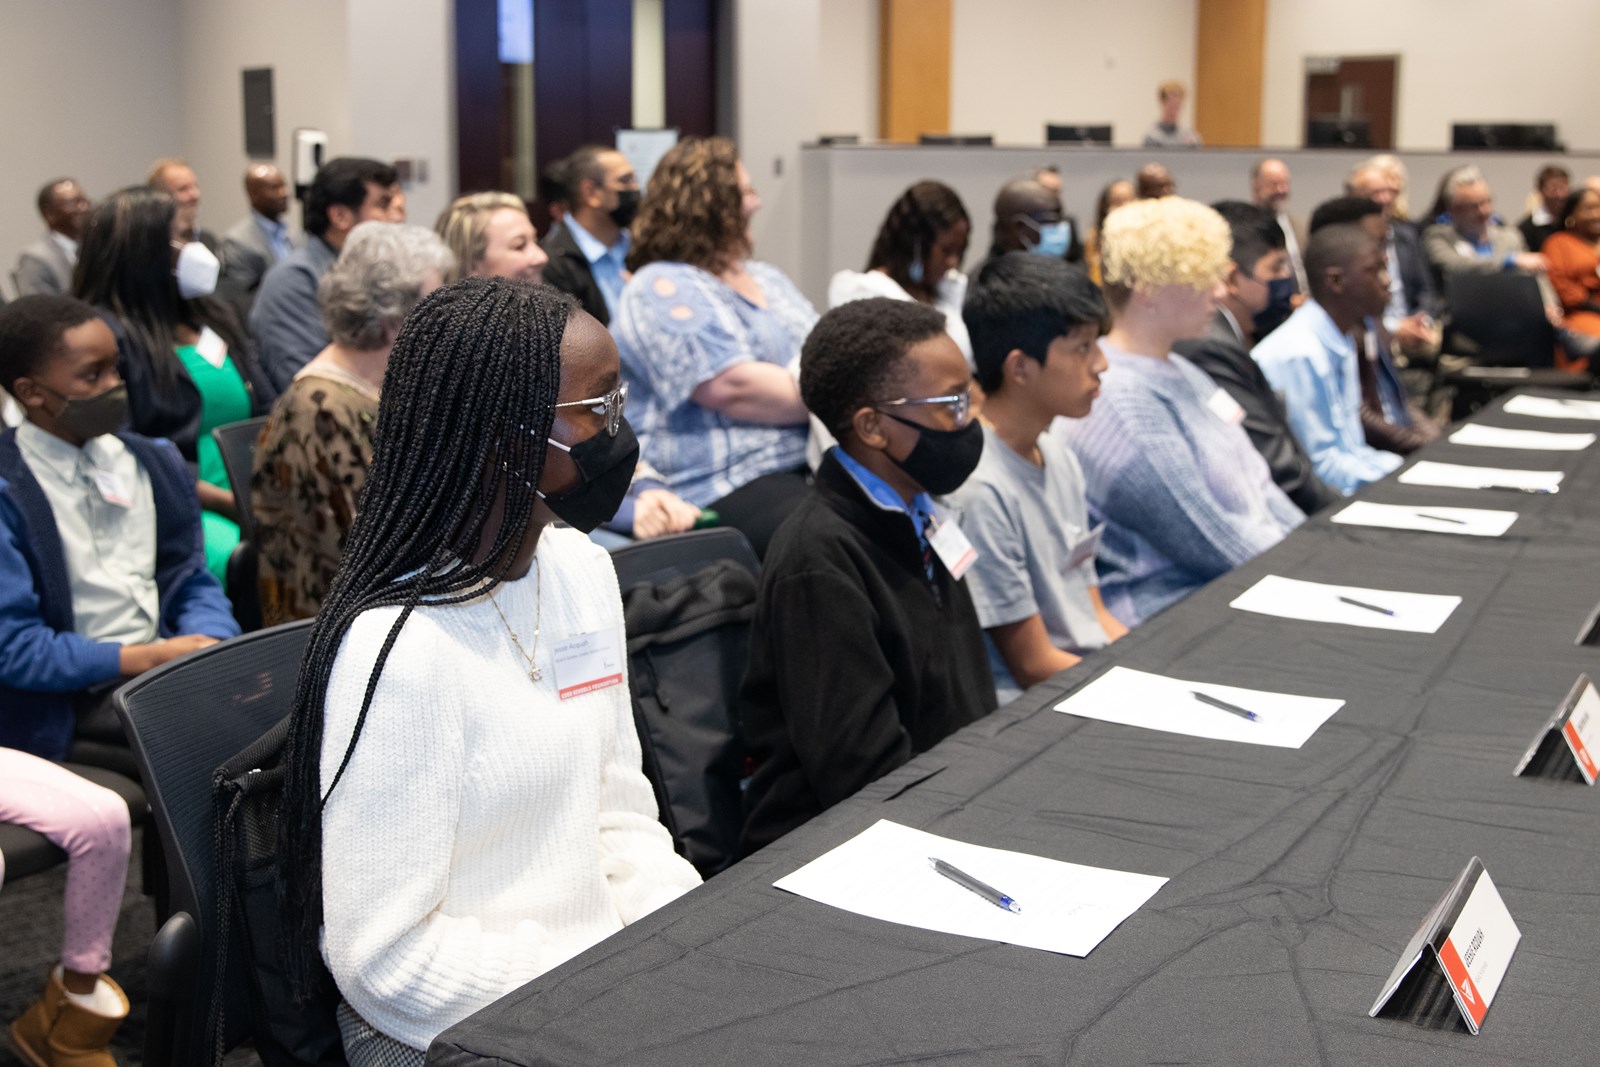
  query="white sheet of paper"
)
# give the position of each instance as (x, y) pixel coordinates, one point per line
(883, 873)
(1549, 407)
(1157, 702)
(1541, 440)
(1470, 522)
(1460, 476)
(1291, 598)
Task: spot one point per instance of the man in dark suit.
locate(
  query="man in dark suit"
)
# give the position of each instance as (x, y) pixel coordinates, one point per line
(589, 250)
(1259, 261)
(1552, 183)
(1413, 300)
(259, 240)
(176, 178)
(45, 265)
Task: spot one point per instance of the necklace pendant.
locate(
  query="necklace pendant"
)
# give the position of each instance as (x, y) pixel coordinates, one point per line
(535, 674)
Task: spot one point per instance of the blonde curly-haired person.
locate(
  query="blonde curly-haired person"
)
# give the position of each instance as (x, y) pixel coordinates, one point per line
(1169, 468)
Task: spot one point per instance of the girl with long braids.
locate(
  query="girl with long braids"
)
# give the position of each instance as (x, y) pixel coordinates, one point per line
(464, 807)
(917, 256)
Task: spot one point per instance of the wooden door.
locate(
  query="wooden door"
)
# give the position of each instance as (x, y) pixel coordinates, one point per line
(1354, 88)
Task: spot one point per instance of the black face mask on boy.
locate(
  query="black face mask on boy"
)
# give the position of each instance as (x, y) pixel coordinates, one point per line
(942, 459)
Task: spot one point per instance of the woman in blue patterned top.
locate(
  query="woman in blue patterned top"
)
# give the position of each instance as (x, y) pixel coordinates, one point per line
(706, 335)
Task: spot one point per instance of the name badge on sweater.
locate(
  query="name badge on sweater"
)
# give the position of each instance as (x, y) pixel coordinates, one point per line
(1086, 550)
(587, 662)
(953, 548)
(212, 348)
(112, 491)
(1225, 407)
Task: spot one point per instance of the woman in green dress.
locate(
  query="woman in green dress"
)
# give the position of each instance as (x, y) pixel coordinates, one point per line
(181, 352)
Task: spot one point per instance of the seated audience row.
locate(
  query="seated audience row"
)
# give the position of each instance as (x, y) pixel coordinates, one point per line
(410, 480)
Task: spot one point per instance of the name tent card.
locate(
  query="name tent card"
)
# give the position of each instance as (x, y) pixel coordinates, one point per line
(1454, 963)
(1570, 740)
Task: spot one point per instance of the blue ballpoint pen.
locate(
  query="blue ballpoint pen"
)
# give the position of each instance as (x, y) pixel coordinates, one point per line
(984, 890)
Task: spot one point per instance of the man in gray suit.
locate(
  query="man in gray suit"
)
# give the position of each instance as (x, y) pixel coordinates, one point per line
(45, 266)
(259, 240)
(1469, 237)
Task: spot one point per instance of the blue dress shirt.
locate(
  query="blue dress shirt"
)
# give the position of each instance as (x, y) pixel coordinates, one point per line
(1313, 366)
(277, 235)
(608, 263)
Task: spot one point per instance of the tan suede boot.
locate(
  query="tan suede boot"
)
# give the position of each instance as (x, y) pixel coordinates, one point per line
(56, 1031)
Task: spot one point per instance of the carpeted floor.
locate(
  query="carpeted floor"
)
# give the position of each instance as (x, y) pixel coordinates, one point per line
(30, 944)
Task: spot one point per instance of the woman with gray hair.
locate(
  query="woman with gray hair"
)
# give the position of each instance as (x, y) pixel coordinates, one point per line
(311, 461)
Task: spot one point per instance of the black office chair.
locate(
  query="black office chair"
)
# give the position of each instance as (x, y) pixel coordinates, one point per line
(183, 720)
(237, 442)
(663, 558)
(687, 604)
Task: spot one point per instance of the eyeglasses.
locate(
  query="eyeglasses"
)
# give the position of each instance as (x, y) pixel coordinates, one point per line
(610, 406)
(957, 405)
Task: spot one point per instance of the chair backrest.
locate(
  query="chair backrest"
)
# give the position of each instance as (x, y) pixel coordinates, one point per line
(1503, 317)
(663, 558)
(688, 602)
(183, 720)
(237, 441)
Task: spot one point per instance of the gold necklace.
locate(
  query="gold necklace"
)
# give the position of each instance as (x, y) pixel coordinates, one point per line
(534, 673)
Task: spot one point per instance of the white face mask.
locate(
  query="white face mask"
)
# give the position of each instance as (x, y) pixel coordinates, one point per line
(197, 271)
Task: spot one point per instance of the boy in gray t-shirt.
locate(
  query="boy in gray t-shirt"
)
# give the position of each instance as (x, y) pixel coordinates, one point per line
(1035, 323)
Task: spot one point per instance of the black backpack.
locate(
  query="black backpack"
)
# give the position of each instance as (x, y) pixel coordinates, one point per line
(288, 1033)
(688, 643)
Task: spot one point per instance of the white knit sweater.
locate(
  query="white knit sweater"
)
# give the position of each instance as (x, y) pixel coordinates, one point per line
(485, 830)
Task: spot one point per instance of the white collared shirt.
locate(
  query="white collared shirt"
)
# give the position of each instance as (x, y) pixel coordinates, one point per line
(67, 246)
(110, 550)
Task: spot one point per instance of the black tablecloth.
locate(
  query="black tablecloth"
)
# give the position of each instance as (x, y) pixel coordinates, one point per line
(1296, 874)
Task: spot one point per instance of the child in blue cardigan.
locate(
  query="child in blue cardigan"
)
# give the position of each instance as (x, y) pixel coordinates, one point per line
(102, 574)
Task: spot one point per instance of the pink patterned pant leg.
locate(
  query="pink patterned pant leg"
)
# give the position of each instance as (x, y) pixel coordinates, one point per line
(90, 824)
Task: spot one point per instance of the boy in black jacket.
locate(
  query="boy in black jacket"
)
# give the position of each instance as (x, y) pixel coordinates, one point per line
(865, 648)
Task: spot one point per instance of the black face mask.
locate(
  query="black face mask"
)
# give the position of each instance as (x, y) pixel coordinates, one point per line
(627, 208)
(942, 459)
(92, 416)
(1280, 305)
(605, 466)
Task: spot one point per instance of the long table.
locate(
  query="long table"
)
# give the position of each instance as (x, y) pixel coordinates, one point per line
(1296, 874)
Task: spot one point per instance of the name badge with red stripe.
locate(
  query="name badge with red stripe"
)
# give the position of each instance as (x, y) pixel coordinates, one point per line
(1568, 745)
(953, 548)
(1466, 943)
(586, 663)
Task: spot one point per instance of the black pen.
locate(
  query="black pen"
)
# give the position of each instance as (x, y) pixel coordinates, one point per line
(1363, 604)
(1442, 518)
(983, 889)
(1231, 709)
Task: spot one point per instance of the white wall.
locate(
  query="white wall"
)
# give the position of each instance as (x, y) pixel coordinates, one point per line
(303, 41)
(1461, 60)
(1018, 64)
(775, 111)
(847, 68)
(88, 89)
(402, 92)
